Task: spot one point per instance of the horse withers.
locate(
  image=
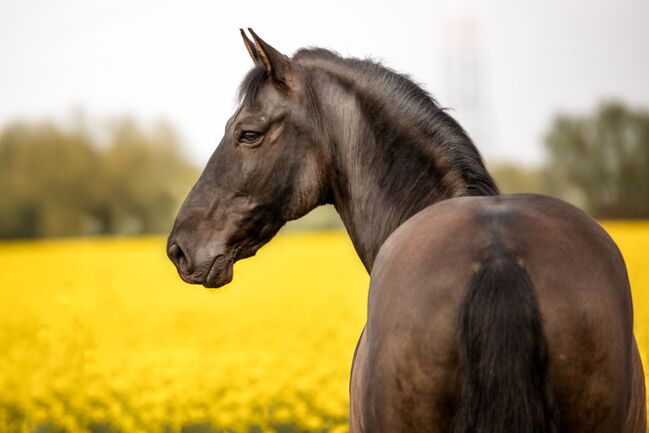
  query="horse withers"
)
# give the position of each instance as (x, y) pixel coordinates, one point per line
(487, 313)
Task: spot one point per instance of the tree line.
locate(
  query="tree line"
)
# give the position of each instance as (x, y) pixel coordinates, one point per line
(119, 177)
(598, 161)
(125, 178)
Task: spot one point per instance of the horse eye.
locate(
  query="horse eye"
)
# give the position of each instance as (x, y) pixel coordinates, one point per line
(249, 137)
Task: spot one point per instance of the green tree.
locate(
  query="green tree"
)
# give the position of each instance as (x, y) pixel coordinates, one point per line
(145, 178)
(45, 174)
(57, 181)
(603, 157)
(514, 178)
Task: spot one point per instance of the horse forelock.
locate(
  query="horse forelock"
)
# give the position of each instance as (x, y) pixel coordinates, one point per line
(250, 85)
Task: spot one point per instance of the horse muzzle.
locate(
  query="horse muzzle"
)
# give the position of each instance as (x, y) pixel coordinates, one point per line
(210, 265)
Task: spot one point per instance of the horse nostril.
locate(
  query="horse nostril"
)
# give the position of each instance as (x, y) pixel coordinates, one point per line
(177, 256)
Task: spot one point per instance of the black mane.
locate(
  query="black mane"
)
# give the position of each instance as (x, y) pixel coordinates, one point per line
(409, 102)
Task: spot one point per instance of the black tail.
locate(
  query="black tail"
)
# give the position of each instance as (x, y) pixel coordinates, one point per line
(503, 355)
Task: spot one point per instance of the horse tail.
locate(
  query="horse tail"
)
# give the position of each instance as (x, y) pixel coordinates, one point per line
(503, 354)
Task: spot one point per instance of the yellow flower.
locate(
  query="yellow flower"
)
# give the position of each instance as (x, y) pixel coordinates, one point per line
(110, 334)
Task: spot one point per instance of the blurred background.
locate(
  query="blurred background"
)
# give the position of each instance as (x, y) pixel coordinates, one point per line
(110, 109)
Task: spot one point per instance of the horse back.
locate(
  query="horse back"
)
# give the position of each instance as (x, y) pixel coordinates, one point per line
(410, 374)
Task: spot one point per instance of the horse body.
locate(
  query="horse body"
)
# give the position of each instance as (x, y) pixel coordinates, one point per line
(407, 373)
(486, 313)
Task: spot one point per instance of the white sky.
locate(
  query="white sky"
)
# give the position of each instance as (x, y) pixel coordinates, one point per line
(182, 60)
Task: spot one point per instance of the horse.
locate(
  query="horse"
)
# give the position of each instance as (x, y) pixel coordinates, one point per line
(486, 312)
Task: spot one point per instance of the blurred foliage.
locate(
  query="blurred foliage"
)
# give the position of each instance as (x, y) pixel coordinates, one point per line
(121, 178)
(599, 162)
(514, 178)
(603, 157)
(321, 218)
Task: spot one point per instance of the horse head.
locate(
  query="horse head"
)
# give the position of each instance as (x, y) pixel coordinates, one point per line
(266, 170)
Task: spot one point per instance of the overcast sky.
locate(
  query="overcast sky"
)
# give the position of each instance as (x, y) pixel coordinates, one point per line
(182, 60)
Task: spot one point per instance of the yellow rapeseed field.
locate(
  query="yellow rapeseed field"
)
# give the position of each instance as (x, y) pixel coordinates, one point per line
(100, 335)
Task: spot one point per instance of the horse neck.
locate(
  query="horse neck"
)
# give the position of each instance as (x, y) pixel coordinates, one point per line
(387, 162)
(382, 172)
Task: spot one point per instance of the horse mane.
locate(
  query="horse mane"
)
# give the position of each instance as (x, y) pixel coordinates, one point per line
(409, 104)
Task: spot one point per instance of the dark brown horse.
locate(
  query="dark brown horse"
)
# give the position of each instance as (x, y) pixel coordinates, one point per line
(487, 313)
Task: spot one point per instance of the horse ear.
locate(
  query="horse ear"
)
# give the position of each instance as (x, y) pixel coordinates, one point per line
(250, 46)
(277, 64)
